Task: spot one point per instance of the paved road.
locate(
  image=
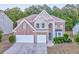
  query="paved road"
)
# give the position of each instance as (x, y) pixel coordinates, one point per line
(24, 48)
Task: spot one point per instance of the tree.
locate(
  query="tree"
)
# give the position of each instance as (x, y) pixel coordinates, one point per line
(57, 12)
(14, 13)
(70, 14)
(68, 24)
(47, 8)
(36, 9)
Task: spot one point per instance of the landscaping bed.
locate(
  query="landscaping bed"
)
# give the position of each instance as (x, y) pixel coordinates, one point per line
(5, 44)
(65, 48)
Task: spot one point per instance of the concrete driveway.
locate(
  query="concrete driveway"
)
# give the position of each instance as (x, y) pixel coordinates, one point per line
(27, 48)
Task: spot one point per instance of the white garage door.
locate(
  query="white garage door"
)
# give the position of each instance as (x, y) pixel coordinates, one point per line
(41, 38)
(25, 38)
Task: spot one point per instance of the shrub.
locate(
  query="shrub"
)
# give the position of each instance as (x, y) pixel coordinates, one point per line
(0, 35)
(76, 38)
(64, 39)
(66, 36)
(1, 31)
(58, 40)
(12, 39)
(68, 40)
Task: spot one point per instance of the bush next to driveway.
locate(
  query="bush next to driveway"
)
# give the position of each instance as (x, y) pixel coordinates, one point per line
(12, 38)
(64, 39)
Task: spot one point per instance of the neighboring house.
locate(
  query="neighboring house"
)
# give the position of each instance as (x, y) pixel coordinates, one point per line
(76, 29)
(6, 25)
(39, 28)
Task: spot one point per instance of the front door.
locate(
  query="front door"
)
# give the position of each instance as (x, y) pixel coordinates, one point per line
(50, 36)
(50, 31)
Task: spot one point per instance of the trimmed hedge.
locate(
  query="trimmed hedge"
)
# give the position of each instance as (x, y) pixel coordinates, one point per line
(12, 39)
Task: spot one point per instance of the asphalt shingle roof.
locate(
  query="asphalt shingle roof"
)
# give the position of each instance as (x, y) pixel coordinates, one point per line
(32, 17)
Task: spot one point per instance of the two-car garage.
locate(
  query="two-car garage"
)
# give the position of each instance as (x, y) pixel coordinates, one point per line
(26, 33)
(25, 38)
(30, 38)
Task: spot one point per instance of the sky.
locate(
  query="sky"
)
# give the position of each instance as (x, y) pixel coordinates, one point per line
(23, 6)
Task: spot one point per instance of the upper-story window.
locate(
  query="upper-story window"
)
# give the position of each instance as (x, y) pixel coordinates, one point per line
(37, 25)
(58, 25)
(43, 25)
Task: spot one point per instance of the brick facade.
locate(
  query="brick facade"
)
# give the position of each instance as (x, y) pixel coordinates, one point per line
(29, 31)
(24, 31)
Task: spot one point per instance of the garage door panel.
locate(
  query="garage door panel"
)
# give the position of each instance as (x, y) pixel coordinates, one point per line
(25, 38)
(41, 38)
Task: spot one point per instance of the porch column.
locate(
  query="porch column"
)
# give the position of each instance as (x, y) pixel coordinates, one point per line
(35, 38)
(47, 37)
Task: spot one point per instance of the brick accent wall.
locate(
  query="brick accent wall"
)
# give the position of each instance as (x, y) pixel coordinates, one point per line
(29, 31)
(24, 31)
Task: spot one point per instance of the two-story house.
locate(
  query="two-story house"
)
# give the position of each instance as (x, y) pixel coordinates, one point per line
(39, 28)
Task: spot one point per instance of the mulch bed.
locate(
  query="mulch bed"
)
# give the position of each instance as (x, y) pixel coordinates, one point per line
(5, 44)
(66, 48)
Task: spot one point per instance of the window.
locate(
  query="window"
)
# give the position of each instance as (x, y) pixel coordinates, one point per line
(57, 25)
(43, 25)
(50, 25)
(59, 34)
(37, 25)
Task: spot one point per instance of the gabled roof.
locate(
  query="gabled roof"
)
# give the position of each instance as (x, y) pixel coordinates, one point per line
(29, 18)
(58, 19)
(45, 15)
(34, 17)
(49, 17)
(24, 20)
